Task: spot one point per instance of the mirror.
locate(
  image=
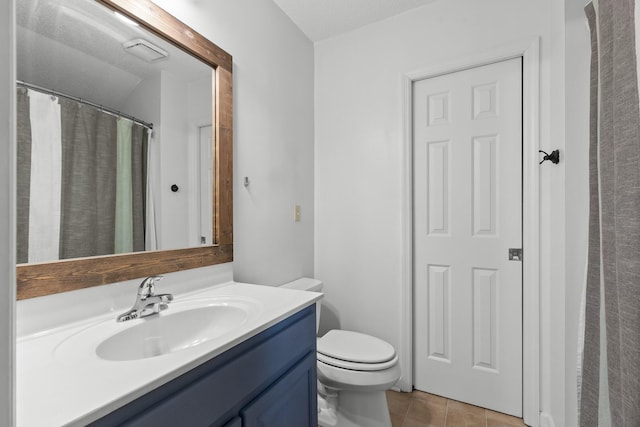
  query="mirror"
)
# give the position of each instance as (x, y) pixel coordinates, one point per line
(103, 134)
(139, 158)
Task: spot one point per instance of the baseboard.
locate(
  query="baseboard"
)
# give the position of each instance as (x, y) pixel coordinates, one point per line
(403, 385)
(546, 420)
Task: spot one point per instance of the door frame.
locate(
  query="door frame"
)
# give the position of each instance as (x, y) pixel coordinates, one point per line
(529, 51)
(194, 178)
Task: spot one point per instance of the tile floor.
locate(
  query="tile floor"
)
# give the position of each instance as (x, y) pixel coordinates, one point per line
(419, 409)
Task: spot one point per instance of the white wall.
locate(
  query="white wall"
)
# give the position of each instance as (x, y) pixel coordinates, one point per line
(176, 108)
(553, 228)
(273, 146)
(173, 227)
(273, 133)
(144, 101)
(358, 156)
(577, 56)
(7, 209)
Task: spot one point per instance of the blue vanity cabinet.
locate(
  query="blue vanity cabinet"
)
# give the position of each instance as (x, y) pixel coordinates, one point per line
(288, 402)
(236, 422)
(268, 380)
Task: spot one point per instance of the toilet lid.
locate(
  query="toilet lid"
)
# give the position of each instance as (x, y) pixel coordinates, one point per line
(355, 347)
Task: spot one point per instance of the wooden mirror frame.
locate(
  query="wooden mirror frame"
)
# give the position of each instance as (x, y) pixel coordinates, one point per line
(41, 279)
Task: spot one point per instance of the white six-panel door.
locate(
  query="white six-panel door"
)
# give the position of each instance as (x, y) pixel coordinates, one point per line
(467, 137)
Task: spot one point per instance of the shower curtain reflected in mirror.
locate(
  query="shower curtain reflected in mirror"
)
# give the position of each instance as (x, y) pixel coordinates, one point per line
(81, 180)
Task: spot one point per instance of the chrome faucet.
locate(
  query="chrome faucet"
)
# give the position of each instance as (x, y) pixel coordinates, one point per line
(147, 302)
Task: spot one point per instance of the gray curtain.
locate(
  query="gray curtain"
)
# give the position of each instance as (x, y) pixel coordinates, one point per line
(139, 141)
(23, 157)
(88, 187)
(89, 155)
(610, 393)
(87, 220)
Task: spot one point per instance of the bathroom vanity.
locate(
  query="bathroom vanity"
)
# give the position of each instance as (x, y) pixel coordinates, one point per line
(268, 380)
(257, 370)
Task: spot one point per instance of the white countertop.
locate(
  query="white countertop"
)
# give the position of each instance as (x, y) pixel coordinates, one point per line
(57, 391)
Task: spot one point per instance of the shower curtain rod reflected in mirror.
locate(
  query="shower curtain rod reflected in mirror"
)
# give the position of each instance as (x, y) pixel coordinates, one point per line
(83, 101)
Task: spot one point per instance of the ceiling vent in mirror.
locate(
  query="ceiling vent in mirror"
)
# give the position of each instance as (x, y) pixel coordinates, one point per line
(145, 50)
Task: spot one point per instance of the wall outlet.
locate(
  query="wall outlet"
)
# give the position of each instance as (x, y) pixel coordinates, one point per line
(296, 213)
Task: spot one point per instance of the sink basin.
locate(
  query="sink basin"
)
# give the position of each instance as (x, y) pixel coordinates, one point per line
(182, 326)
(158, 335)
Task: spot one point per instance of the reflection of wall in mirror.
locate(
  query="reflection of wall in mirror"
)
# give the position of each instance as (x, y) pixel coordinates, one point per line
(200, 116)
(173, 164)
(176, 108)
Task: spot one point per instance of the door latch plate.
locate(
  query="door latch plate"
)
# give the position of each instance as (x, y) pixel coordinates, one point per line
(515, 254)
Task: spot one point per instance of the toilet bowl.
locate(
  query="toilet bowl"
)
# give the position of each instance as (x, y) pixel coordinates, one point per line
(354, 371)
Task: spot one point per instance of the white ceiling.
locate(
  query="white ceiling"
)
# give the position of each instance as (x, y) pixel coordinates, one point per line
(75, 47)
(321, 19)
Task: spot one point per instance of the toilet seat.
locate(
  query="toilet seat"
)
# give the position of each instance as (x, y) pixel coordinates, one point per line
(357, 366)
(355, 351)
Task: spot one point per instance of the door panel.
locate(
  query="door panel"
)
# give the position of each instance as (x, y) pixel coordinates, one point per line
(467, 137)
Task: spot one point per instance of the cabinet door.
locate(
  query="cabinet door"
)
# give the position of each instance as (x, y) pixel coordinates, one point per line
(290, 402)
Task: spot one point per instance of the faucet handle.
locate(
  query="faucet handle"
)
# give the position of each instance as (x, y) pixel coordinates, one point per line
(147, 287)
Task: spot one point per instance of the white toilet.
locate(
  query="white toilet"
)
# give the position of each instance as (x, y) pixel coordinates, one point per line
(354, 370)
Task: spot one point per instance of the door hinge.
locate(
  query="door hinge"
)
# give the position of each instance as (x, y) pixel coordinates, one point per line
(515, 254)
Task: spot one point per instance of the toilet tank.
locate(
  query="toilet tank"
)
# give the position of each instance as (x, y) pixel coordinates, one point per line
(307, 284)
